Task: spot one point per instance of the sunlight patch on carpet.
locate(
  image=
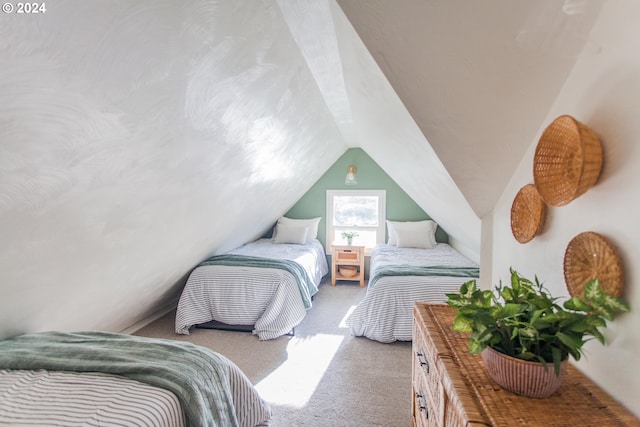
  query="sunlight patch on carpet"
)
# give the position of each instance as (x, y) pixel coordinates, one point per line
(294, 382)
(343, 322)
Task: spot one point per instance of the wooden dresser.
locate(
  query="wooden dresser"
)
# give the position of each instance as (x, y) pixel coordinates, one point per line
(451, 386)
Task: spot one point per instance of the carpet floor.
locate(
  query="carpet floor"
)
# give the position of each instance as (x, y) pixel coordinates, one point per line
(322, 376)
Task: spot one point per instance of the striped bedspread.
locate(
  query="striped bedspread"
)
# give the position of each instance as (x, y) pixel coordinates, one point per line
(398, 278)
(65, 399)
(253, 291)
(305, 284)
(197, 376)
(407, 270)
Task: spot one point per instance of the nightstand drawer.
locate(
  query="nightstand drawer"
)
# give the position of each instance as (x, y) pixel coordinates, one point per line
(348, 255)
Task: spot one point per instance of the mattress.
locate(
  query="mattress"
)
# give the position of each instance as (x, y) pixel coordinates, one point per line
(270, 299)
(398, 278)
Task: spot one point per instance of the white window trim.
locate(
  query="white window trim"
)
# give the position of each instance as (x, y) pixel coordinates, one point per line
(382, 214)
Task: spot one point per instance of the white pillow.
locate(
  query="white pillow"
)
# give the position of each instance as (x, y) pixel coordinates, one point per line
(410, 239)
(292, 234)
(392, 233)
(312, 224)
(412, 234)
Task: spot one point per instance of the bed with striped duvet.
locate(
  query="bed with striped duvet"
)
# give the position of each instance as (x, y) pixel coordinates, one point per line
(105, 379)
(398, 278)
(262, 283)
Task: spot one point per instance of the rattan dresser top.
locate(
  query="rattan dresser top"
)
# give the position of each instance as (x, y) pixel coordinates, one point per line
(579, 401)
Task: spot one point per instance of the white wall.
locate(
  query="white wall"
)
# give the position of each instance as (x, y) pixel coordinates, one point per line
(138, 137)
(603, 91)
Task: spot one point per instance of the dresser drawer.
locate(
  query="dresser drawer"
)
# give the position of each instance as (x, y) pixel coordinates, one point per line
(424, 411)
(426, 377)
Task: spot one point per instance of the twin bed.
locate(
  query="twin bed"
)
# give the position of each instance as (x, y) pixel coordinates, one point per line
(97, 378)
(412, 268)
(266, 286)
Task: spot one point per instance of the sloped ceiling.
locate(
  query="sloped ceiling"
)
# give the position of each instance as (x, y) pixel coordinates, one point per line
(136, 138)
(370, 115)
(478, 77)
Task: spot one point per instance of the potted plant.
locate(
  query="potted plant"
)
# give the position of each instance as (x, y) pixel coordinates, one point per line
(349, 235)
(523, 324)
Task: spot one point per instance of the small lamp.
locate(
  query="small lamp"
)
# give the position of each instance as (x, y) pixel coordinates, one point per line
(351, 178)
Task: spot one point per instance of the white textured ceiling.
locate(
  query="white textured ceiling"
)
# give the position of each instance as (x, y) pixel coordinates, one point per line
(136, 138)
(477, 77)
(370, 115)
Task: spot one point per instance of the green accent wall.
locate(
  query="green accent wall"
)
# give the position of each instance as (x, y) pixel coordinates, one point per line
(400, 207)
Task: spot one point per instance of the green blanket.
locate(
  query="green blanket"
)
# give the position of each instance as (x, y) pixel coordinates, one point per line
(409, 270)
(305, 284)
(196, 375)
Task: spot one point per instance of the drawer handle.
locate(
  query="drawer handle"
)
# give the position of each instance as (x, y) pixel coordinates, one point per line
(422, 360)
(422, 404)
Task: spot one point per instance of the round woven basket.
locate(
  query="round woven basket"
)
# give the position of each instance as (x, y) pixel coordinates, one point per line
(567, 161)
(527, 213)
(348, 270)
(590, 256)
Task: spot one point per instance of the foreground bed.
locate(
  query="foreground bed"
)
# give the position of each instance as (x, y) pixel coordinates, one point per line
(398, 278)
(95, 378)
(265, 284)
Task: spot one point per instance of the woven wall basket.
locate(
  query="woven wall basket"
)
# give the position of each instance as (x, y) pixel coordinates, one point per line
(527, 214)
(567, 161)
(590, 256)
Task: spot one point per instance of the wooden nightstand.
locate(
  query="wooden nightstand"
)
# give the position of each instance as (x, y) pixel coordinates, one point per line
(349, 256)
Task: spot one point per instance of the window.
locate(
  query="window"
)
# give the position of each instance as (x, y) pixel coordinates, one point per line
(362, 211)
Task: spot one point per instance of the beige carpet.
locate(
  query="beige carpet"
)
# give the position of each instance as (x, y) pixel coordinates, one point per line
(322, 376)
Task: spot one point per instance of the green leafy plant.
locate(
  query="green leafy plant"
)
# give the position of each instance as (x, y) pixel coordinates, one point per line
(349, 234)
(524, 321)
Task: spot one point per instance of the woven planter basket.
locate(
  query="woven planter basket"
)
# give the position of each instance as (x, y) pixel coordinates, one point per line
(522, 377)
(567, 161)
(527, 214)
(590, 256)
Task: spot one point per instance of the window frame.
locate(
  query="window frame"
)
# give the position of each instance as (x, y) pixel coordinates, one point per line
(382, 215)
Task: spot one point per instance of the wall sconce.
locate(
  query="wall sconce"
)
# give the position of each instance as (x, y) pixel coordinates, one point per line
(351, 178)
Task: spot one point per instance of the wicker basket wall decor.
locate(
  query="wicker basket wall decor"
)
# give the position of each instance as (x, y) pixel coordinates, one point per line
(567, 161)
(528, 212)
(590, 256)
